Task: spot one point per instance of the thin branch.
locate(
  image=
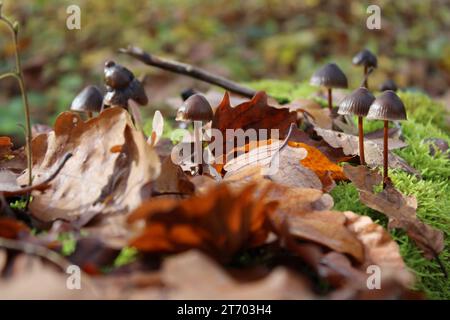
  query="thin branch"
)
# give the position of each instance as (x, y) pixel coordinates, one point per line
(188, 70)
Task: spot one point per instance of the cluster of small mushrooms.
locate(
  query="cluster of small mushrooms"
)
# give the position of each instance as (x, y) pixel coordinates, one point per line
(361, 103)
(121, 86)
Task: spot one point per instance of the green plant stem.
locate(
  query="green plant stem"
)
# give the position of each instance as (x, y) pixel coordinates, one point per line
(19, 76)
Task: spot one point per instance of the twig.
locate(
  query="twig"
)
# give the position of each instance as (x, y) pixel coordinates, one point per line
(188, 70)
(43, 252)
(41, 185)
(18, 74)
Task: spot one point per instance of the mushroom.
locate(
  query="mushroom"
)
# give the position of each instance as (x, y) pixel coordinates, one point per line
(121, 86)
(387, 107)
(197, 109)
(329, 76)
(389, 85)
(186, 93)
(368, 60)
(89, 100)
(358, 103)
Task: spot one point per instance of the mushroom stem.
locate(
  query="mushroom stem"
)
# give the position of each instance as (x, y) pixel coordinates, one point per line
(198, 146)
(365, 84)
(362, 159)
(385, 153)
(89, 114)
(330, 99)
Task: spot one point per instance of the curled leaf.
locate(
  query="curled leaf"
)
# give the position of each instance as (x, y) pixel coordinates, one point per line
(400, 209)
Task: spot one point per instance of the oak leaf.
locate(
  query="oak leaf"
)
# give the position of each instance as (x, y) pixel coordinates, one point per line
(253, 114)
(95, 179)
(219, 222)
(373, 149)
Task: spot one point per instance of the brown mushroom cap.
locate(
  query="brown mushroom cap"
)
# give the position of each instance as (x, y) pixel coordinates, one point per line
(358, 102)
(90, 99)
(195, 108)
(137, 92)
(330, 76)
(117, 76)
(365, 58)
(116, 98)
(388, 106)
(388, 85)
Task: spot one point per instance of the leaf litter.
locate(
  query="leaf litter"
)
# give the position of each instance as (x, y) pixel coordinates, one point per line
(120, 189)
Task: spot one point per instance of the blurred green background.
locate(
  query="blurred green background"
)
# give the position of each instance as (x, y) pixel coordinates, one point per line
(244, 40)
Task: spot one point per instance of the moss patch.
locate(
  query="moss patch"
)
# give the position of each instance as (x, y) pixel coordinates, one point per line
(426, 119)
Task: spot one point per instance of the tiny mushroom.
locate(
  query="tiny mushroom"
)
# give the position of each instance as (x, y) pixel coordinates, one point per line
(366, 59)
(89, 100)
(358, 103)
(196, 108)
(387, 107)
(121, 86)
(389, 85)
(329, 76)
(186, 93)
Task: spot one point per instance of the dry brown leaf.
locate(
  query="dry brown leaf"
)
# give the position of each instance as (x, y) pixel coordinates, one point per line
(33, 279)
(372, 148)
(172, 180)
(321, 116)
(95, 179)
(11, 228)
(379, 247)
(219, 222)
(400, 209)
(253, 114)
(204, 279)
(325, 227)
(12, 160)
(275, 161)
(5, 146)
(157, 128)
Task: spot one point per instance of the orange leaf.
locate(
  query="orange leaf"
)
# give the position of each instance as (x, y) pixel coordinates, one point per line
(219, 222)
(319, 163)
(10, 228)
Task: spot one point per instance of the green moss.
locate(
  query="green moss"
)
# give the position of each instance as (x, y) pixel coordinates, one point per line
(426, 119)
(433, 207)
(280, 90)
(424, 110)
(68, 243)
(126, 256)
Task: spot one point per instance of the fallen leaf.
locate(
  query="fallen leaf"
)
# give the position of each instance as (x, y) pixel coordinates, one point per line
(276, 161)
(157, 128)
(253, 114)
(12, 160)
(220, 222)
(320, 164)
(400, 209)
(325, 227)
(379, 247)
(34, 279)
(5, 146)
(308, 107)
(172, 180)
(373, 149)
(205, 279)
(94, 180)
(11, 228)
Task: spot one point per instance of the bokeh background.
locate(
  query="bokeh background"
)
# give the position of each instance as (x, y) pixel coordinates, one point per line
(243, 40)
